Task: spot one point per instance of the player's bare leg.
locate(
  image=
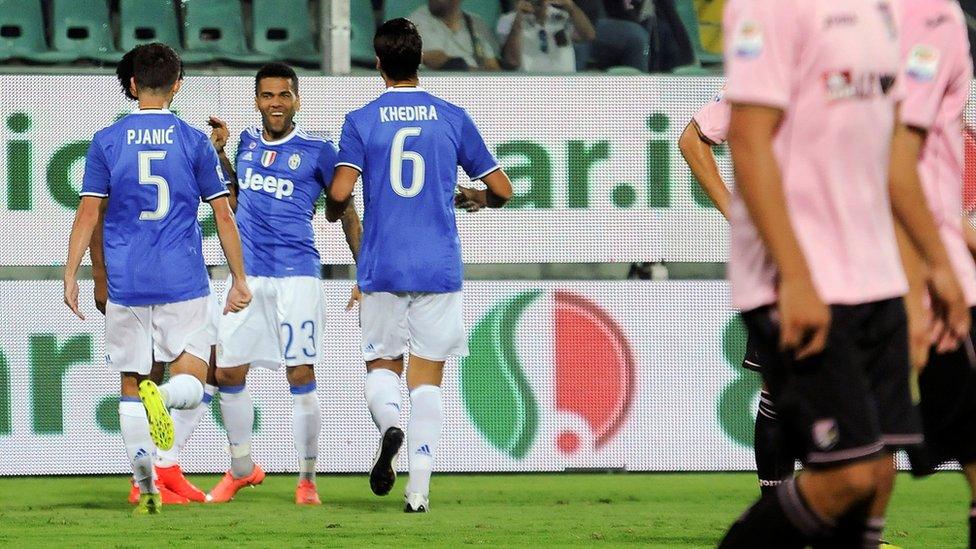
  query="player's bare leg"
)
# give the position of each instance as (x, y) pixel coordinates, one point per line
(969, 469)
(424, 378)
(307, 422)
(237, 410)
(885, 474)
(383, 401)
(184, 390)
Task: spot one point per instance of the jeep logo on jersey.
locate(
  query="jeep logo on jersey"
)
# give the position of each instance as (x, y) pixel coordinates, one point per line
(270, 184)
(589, 380)
(268, 158)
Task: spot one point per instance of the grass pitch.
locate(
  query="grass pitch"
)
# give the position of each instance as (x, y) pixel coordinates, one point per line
(647, 510)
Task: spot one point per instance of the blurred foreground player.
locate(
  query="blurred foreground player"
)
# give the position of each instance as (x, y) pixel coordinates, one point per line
(938, 71)
(815, 262)
(154, 169)
(708, 128)
(173, 486)
(281, 171)
(407, 144)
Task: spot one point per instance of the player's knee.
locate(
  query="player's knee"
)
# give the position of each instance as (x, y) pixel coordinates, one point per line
(231, 376)
(300, 375)
(855, 483)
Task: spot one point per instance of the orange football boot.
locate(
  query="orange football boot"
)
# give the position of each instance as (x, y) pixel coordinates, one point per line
(169, 497)
(307, 493)
(228, 486)
(172, 479)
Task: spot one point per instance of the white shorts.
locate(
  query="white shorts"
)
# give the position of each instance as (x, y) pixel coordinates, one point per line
(282, 325)
(429, 325)
(135, 336)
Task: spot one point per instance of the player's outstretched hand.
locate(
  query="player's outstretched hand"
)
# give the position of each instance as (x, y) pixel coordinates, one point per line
(238, 298)
(354, 297)
(804, 318)
(71, 297)
(949, 308)
(470, 200)
(219, 134)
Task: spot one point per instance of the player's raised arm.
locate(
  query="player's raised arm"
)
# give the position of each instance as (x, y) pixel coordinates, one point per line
(912, 213)
(219, 134)
(697, 152)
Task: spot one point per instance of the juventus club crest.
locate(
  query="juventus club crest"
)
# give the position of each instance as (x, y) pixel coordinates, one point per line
(294, 161)
(268, 158)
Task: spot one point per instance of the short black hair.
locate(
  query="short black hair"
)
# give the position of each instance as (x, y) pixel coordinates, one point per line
(398, 46)
(156, 66)
(276, 70)
(124, 73)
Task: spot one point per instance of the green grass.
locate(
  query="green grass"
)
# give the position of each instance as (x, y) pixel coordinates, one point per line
(647, 510)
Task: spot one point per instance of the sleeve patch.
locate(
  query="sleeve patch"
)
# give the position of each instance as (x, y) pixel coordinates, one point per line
(923, 63)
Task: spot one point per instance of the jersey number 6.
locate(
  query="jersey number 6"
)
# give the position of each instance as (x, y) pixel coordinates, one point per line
(162, 187)
(398, 156)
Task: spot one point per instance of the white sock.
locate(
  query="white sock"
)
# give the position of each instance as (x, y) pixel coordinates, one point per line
(237, 409)
(184, 423)
(138, 444)
(307, 422)
(423, 433)
(182, 392)
(383, 398)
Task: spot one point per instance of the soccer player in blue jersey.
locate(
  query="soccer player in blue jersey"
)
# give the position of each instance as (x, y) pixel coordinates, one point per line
(281, 171)
(153, 169)
(407, 145)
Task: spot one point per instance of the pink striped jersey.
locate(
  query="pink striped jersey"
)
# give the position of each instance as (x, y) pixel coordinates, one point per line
(831, 67)
(937, 73)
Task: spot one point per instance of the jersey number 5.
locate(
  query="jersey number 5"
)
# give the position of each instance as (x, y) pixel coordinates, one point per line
(162, 187)
(397, 158)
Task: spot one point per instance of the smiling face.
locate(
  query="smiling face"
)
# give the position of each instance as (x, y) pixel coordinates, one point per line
(277, 101)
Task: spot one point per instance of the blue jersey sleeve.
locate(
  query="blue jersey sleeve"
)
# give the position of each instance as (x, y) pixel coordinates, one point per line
(473, 154)
(209, 174)
(325, 164)
(352, 150)
(97, 172)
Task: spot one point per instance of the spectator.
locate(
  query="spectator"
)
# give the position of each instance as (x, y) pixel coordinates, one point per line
(539, 35)
(455, 40)
(644, 34)
(621, 40)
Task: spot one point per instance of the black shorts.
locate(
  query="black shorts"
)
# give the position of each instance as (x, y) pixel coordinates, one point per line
(853, 400)
(948, 390)
(756, 355)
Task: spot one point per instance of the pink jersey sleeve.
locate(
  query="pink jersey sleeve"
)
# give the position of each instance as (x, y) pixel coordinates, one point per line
(761, 38)
(713, 120)
(929, 67)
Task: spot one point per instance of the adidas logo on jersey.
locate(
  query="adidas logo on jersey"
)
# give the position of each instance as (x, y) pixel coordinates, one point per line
(270, 184)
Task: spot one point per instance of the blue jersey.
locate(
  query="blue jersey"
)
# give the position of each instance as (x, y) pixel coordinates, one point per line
(408, 145)
(279, 183)
(154, 168)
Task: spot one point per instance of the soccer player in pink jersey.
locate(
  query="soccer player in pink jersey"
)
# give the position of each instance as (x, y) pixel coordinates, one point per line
(937, 74)
(815, 262)
(709, 128)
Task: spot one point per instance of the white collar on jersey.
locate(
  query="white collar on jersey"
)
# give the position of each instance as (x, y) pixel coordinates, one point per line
(284, 139)
(150, 111)
(405, 89)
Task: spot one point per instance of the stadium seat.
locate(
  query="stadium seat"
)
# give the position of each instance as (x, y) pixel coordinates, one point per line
(147, 21)
(213, 29)
(22, 33)
(689, 17)
(283, 28)
(81, 28)
(362, 29)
